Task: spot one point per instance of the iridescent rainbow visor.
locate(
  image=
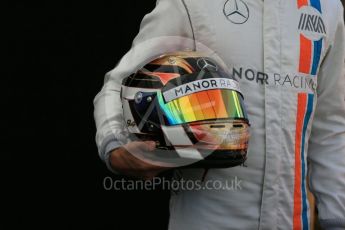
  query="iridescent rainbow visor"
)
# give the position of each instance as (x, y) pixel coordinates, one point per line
(196, 97)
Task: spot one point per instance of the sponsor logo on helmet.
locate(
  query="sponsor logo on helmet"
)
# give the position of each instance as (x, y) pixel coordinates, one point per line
(204, 63)
(200, 85)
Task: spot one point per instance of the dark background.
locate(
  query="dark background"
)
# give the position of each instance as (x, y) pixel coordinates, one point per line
(55, 56)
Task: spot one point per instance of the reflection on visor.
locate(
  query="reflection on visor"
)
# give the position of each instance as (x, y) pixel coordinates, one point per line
(205, 105)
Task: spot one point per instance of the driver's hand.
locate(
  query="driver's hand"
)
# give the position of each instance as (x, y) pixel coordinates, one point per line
(123, 161)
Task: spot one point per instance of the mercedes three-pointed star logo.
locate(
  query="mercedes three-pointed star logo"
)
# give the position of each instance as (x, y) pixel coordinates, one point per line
(204, 63)
(236, 11)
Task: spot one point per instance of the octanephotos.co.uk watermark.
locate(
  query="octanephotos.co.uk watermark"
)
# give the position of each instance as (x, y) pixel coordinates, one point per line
(109, 183)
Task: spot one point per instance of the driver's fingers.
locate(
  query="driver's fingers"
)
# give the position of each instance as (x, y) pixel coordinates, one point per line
(139, 147)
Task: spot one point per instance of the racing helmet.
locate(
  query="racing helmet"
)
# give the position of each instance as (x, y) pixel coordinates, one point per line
(191, 107)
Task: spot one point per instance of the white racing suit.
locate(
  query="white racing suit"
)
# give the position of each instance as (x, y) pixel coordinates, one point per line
(288, 56)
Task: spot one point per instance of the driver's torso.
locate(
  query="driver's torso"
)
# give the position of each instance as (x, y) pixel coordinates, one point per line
(274, 50)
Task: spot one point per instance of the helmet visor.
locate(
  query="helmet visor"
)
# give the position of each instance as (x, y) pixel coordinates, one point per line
(204, 105)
